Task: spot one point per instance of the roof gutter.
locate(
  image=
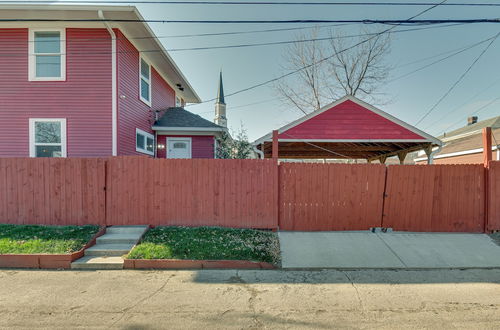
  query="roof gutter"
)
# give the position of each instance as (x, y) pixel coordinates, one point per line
(114, 101)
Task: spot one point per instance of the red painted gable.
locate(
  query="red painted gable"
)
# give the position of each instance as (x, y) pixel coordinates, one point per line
(349, 121)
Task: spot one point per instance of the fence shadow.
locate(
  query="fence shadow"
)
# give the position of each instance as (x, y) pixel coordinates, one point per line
(333, 276)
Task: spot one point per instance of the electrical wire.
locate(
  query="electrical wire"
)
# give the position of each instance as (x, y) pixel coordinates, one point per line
(464, 103)
(442, 59)
(473, 113)
(266, 3)
(323, 59)
(462, 76)
(394, 22)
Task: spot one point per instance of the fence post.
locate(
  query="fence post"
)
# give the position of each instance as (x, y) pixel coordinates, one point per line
(486, 163)
(275, 146)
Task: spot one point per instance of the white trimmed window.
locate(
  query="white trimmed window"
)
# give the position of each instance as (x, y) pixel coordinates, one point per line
(47, 137)
(47, 58)
(144, 81)
(144, 142)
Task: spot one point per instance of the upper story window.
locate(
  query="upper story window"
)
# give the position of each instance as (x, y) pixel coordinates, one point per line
(47, 58)
(47, 137)
(144, 81)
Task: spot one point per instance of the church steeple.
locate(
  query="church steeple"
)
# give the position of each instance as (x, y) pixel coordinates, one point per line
(220, 91)
(220, 105)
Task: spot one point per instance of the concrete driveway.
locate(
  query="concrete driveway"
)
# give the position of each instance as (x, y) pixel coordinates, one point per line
(396, 250)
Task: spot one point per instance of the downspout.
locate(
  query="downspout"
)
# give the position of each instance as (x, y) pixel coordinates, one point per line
(258, 152)
(114, 103)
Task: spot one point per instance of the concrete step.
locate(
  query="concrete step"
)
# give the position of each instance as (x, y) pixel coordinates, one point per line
(118, 238)
(133, 230)
(109, 249)
(93, 262)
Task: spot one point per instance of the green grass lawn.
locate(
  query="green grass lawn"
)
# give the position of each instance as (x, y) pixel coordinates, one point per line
(31, 239)
(208, 243)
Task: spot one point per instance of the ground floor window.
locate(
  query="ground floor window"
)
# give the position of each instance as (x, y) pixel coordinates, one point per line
(47, 137)
(144, 142)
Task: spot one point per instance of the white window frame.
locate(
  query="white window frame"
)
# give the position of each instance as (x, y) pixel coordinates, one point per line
(32, 142)
(148, 102)
(146, 135)
(32, 56)
(183, 139)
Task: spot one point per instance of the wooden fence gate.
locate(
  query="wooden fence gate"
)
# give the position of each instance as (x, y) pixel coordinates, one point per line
(447, 198)
(330, 196)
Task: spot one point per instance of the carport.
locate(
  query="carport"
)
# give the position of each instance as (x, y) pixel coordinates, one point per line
(346, 129)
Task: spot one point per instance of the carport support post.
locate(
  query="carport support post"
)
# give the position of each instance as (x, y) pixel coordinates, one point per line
(402, 156)
(486, 163)
(275, 145)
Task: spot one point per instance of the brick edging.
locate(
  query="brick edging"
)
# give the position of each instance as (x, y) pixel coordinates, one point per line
(194, 264)
(46, 261)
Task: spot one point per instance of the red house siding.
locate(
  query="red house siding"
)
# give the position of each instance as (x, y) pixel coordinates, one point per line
(84, 99)
(132, 112)
(202, 145)
(348, 121)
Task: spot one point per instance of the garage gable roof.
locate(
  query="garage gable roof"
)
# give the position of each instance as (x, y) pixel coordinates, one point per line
(350, 120)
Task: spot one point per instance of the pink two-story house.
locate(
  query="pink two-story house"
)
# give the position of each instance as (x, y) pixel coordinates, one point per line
(80, 81)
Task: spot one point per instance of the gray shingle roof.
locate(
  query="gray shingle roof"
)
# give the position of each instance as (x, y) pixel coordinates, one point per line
(491, 122)
(179, 117)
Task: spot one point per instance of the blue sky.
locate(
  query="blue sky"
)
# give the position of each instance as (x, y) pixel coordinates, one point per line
(409, 98)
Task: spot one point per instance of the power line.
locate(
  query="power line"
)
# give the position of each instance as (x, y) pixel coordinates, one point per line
(267, 3)
(442, 59)
(420, 60)
(240, 45)
(395, 22)
(323, 59)
(475, 112)
(15, 44)
(464, 103)
(458, 80)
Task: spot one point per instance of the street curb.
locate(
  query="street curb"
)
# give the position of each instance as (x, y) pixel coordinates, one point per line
(194, 264)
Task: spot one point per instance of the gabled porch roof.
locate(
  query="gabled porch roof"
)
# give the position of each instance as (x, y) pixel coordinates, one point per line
(347, 128)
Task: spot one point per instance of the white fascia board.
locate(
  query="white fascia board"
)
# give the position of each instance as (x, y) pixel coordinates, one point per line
(427, 137)
(161, 129)
(458, 153)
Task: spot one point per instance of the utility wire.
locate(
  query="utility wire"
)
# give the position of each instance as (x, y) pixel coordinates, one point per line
(267, 3)
(15, 45)
(414, 71)
(442, 59)
(16, 42)
(473, 113)
(395, 22)
(464, 103)
(458, 80)
(323, 59)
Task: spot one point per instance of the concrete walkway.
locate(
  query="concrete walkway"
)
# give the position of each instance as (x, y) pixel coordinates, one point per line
(396, 250)
(110, 247)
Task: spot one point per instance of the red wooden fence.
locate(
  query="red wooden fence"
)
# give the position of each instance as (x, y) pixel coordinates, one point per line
(447, 198)
(330, 196)
(192, 192)
(52, 191)
(248, 194)
(494, 196)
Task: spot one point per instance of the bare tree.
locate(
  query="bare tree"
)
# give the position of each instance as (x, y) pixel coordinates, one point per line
(347, 70)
